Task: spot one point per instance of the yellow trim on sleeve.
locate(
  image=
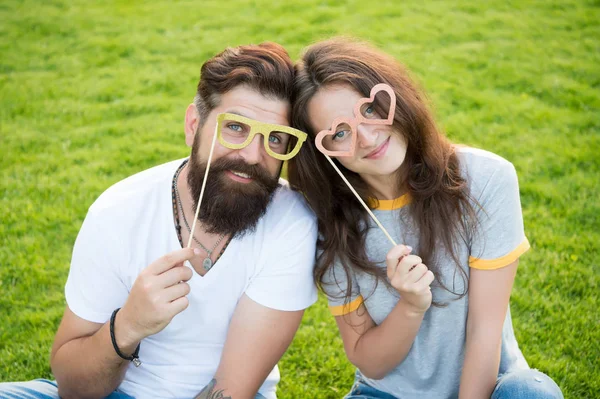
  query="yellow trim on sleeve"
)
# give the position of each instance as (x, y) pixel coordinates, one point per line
(346, 308)
(388, 205)
(491, 264)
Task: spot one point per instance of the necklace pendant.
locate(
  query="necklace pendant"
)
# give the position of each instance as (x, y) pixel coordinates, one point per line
(207, 263)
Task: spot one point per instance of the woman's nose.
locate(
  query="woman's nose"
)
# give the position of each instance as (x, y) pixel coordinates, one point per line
(367, 135)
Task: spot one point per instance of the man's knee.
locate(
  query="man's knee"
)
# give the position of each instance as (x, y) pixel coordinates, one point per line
(37, 389)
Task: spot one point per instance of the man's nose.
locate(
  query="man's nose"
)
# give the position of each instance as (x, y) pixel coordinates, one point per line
(253, 152)
(367, 135)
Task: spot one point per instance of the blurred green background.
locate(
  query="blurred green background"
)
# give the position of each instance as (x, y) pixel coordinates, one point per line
(91, 92)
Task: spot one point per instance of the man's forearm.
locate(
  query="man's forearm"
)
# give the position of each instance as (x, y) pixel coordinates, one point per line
(89, 367)
(211, 391)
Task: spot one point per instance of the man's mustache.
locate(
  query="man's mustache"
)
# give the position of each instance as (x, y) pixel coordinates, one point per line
(255, 172)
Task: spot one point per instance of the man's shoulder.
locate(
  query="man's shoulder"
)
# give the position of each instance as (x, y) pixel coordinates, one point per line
(289, 204)
(287, 216)
(136, 191)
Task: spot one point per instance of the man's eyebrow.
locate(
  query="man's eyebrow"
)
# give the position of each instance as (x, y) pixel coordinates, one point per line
(239, 114)
(235, 112)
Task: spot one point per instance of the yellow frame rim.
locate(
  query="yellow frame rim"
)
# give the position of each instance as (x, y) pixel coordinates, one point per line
(257, 127)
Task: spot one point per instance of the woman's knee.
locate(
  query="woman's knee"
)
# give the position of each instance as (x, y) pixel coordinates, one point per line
(526, 384)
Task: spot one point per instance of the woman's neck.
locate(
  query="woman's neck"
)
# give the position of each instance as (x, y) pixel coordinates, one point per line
(386, 187)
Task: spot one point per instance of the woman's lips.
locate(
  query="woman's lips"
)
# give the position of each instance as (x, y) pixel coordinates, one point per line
(379, 151)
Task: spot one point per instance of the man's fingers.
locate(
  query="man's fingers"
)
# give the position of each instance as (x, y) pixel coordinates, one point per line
(178, 306)
(176, 291)
(393, 257)
(171, 260)
(175, 275)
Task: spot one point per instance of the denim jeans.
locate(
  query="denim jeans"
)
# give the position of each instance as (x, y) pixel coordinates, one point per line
(40, 389)
(517, 384)
(44, 389)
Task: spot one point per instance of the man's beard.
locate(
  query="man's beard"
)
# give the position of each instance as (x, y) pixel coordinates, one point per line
(229, 207)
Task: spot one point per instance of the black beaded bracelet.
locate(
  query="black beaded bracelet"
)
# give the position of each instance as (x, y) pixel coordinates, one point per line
(133, 358)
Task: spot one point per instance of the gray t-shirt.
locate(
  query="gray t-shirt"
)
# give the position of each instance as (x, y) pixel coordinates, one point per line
(433, 366)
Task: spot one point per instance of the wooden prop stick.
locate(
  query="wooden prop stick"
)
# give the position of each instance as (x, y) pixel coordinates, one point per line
(212, 147)
(361, 201)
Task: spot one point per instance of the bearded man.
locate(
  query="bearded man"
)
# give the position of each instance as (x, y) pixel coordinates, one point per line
(148, 317)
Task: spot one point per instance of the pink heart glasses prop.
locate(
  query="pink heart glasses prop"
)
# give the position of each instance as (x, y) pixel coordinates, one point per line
(353, 124)
(357, 120)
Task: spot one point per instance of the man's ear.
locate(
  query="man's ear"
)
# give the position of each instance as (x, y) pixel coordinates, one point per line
(192, 120)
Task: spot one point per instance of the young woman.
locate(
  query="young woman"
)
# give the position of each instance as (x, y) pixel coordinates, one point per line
(428, 318)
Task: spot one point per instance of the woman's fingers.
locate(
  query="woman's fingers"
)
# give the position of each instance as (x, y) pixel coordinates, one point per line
(406, 264)
(425, 281)
(394, 256)
(416, 272)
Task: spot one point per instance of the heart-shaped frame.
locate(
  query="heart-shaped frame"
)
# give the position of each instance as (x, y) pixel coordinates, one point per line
(374, 91)
(331, 131)
(358, 119)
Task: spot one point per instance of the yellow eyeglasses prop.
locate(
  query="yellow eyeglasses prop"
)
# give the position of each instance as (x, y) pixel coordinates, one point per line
(236, 132)
(340, 139)
(281, 142)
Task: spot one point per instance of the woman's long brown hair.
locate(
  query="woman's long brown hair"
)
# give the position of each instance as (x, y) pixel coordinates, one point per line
(440, 205)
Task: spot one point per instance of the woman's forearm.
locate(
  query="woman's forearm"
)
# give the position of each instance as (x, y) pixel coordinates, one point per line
(380, 349)
(489, 294)
(480, 368)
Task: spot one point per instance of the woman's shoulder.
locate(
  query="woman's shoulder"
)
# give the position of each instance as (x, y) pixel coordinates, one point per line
(481, 168)
(474, 158)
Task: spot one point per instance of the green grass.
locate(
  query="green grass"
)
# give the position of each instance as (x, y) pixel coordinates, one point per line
(92, 92)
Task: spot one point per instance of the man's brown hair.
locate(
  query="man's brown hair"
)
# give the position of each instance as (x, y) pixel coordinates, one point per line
(265, 67)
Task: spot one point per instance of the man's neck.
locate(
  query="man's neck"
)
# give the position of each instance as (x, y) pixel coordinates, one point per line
(187, 210)
(185, 197)
(187, 203)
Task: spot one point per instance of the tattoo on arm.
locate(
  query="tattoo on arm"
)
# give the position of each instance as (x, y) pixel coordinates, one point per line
(209, 392)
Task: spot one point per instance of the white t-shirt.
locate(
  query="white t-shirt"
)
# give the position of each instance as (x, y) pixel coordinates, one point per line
(131, 225)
